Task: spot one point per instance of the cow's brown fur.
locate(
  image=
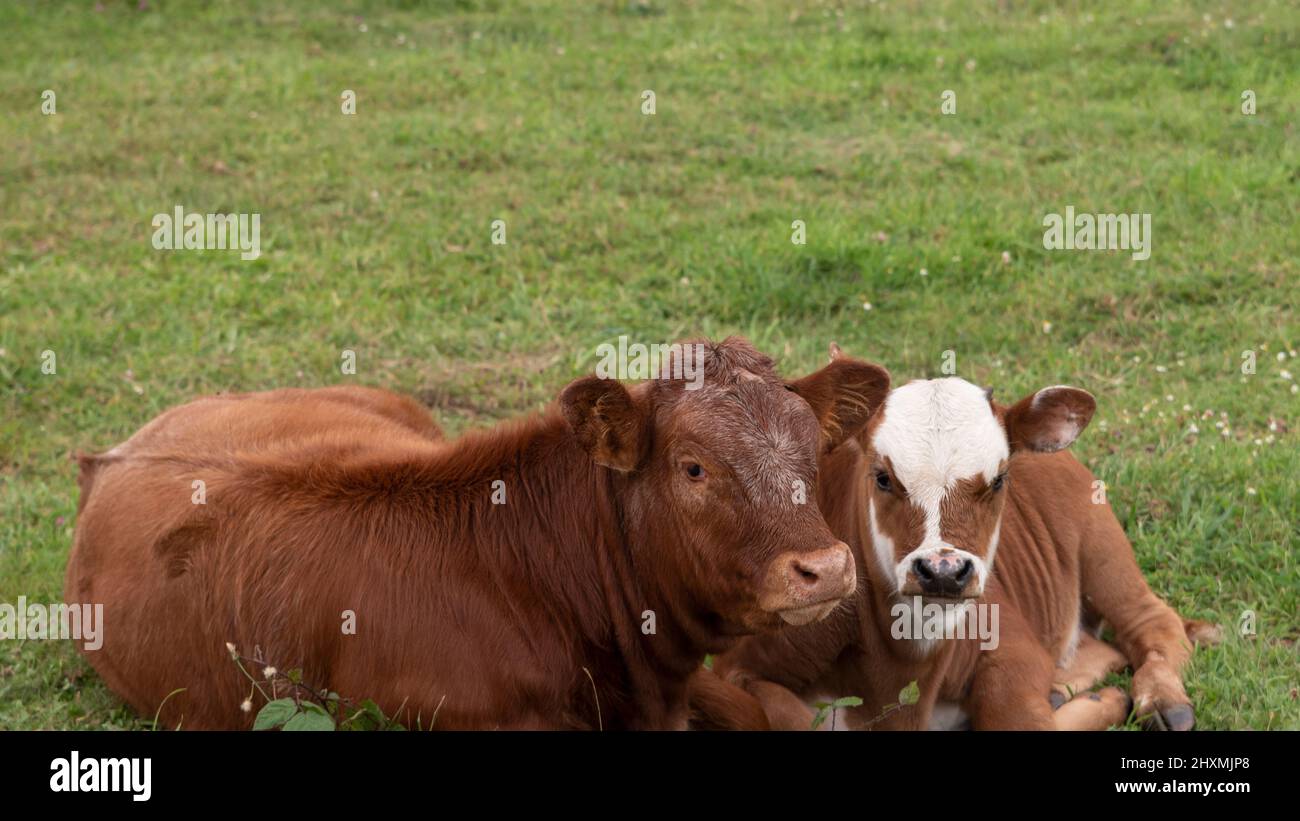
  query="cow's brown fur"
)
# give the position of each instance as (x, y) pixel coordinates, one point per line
(468, 614)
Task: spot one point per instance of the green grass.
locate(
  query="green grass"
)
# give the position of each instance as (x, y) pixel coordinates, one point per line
(375, 234)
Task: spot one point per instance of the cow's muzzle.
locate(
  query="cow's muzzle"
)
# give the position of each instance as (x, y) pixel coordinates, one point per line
(805, 587)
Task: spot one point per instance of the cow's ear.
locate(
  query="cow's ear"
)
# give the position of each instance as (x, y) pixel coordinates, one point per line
(608, 422)
(1049, 420)
(843, 394)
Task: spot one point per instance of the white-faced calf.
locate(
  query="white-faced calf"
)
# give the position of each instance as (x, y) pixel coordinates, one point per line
(954, 502)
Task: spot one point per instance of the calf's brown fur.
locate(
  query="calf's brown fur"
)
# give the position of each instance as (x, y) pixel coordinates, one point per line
(623, 508)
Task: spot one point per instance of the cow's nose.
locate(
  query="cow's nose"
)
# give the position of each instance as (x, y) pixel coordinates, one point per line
(819, 575)
(943, 573)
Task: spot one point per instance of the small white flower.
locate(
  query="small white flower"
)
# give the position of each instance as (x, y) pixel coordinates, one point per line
(866, 306)
(1295, 389)
(230, 648)
(1193, 429)
(247, 706)
(1251, 491)
(1169, 397)
(1187, 407)
(1006, 258)
(1285, 374)
(268, 672)
(1281, 356)
(924, 273)
(1047, 327)
(1161, 369)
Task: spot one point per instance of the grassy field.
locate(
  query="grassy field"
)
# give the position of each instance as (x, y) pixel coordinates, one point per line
(924, 235)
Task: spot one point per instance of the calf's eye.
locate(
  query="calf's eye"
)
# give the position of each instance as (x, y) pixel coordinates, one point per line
(694, 470)
(999, 481)
(882, 481)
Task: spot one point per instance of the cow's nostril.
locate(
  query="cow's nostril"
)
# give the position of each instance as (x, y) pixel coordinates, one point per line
(921, 570)
(806, 574)
(964, 573)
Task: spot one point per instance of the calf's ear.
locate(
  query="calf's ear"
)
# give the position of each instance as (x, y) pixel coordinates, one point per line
(843, 394)
(1049, 420)
(607, 421)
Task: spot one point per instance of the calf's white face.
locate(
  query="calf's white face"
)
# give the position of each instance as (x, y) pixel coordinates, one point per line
(940, 452)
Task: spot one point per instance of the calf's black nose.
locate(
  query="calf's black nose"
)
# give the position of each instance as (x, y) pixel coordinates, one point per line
(943, 575)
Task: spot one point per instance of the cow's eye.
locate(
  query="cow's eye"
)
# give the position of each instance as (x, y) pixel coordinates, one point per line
(694, 470)
(882, 481)
(999, 481)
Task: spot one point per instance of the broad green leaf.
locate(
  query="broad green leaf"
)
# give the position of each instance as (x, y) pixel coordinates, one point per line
(275, 713)
(910, 694)
(310, 720)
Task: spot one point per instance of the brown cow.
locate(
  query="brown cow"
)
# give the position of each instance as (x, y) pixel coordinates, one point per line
(640, 529)
(945, 479)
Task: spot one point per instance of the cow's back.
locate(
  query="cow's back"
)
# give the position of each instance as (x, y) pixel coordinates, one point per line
(218, 521)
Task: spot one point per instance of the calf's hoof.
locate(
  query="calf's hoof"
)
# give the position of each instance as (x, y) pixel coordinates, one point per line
(1179, 718)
